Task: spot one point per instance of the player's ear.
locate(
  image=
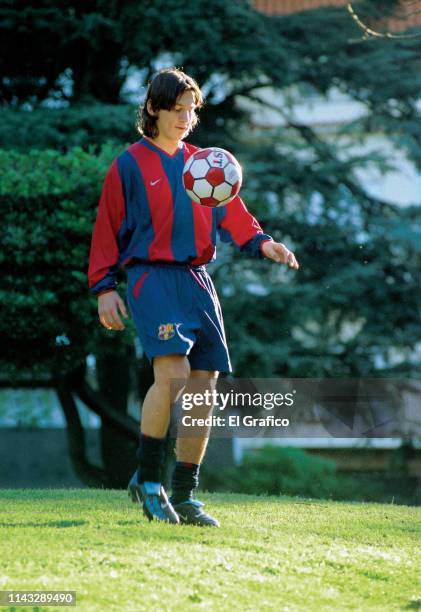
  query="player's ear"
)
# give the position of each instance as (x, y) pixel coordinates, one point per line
(150, 109)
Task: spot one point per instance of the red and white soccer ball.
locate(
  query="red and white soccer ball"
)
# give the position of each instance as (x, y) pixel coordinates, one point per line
(212, 177)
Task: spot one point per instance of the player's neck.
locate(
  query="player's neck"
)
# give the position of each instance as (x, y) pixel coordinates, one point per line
(169, 146)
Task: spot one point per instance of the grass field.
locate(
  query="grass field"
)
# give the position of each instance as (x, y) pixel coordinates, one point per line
(270, 553)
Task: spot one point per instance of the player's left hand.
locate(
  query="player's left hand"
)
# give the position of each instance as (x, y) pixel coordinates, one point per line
(279, 253)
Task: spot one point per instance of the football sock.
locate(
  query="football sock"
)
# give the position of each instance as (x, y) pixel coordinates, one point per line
(150, 456)
(185, 479)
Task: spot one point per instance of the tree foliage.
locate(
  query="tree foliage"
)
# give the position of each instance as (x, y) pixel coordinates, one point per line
(85, 126)
(47, 220)
(359, 255)
(353, 309)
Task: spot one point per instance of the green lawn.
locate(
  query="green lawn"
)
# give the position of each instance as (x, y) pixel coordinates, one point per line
(270, 553)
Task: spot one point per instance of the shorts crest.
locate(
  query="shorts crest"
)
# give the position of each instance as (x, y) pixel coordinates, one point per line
(166, 331)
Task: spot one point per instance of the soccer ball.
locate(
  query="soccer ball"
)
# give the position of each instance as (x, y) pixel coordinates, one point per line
(212, 177)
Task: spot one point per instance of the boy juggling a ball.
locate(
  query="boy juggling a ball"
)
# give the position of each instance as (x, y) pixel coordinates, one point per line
(148, 224)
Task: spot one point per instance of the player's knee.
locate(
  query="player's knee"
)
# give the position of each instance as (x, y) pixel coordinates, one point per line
(201, 381)
(173, 370)
(205, 379)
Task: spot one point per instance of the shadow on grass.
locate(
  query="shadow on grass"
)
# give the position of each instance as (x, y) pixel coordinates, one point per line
(373, 575)
(414, 604)
(55, 524)
(229, 498)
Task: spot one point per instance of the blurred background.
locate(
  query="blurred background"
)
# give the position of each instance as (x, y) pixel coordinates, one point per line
(326, 125)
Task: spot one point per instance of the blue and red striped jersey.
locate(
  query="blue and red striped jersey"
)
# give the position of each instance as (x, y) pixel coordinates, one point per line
(145, 214)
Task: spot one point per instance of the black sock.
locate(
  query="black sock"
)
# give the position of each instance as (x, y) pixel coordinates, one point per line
(185, 479)
(150, 456)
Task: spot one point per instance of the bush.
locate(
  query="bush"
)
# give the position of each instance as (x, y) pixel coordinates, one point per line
(64, 128)
(276, 470)
(48, 205)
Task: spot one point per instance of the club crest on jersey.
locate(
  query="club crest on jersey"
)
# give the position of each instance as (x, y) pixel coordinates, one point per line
(166, 331)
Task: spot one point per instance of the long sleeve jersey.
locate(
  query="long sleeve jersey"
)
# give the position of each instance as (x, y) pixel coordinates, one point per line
(145, 214)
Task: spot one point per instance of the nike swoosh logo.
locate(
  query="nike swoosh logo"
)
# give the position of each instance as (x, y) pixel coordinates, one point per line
(155, 182)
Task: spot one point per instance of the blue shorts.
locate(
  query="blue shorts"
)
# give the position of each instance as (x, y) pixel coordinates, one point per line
(176, 311)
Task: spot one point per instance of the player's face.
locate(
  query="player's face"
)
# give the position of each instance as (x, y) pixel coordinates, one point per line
(175, 124)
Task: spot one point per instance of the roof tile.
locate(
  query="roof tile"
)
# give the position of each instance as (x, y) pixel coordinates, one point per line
(286, 7)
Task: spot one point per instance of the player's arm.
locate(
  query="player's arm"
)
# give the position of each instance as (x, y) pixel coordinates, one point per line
(104, 254)
(238, 225)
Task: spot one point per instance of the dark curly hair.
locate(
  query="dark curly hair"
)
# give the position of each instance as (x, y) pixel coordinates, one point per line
(163, 92)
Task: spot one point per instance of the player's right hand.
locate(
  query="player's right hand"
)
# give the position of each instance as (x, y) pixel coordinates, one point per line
(109, 305)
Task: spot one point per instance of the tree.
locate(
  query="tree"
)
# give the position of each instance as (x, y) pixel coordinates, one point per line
(44, 46)
(353, 309)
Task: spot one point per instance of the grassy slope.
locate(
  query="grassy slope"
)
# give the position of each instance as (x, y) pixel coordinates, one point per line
(270, 553)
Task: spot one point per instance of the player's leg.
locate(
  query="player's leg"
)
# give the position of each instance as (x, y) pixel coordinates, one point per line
(208, 357)
(167, 306)
(170, 375)
(190, 451)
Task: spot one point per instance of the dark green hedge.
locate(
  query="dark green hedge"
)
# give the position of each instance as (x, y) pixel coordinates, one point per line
(48, 203)
(276, 470)
(64, 128)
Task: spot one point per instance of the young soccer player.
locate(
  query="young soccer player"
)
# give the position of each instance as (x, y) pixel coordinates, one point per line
(147, 224)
